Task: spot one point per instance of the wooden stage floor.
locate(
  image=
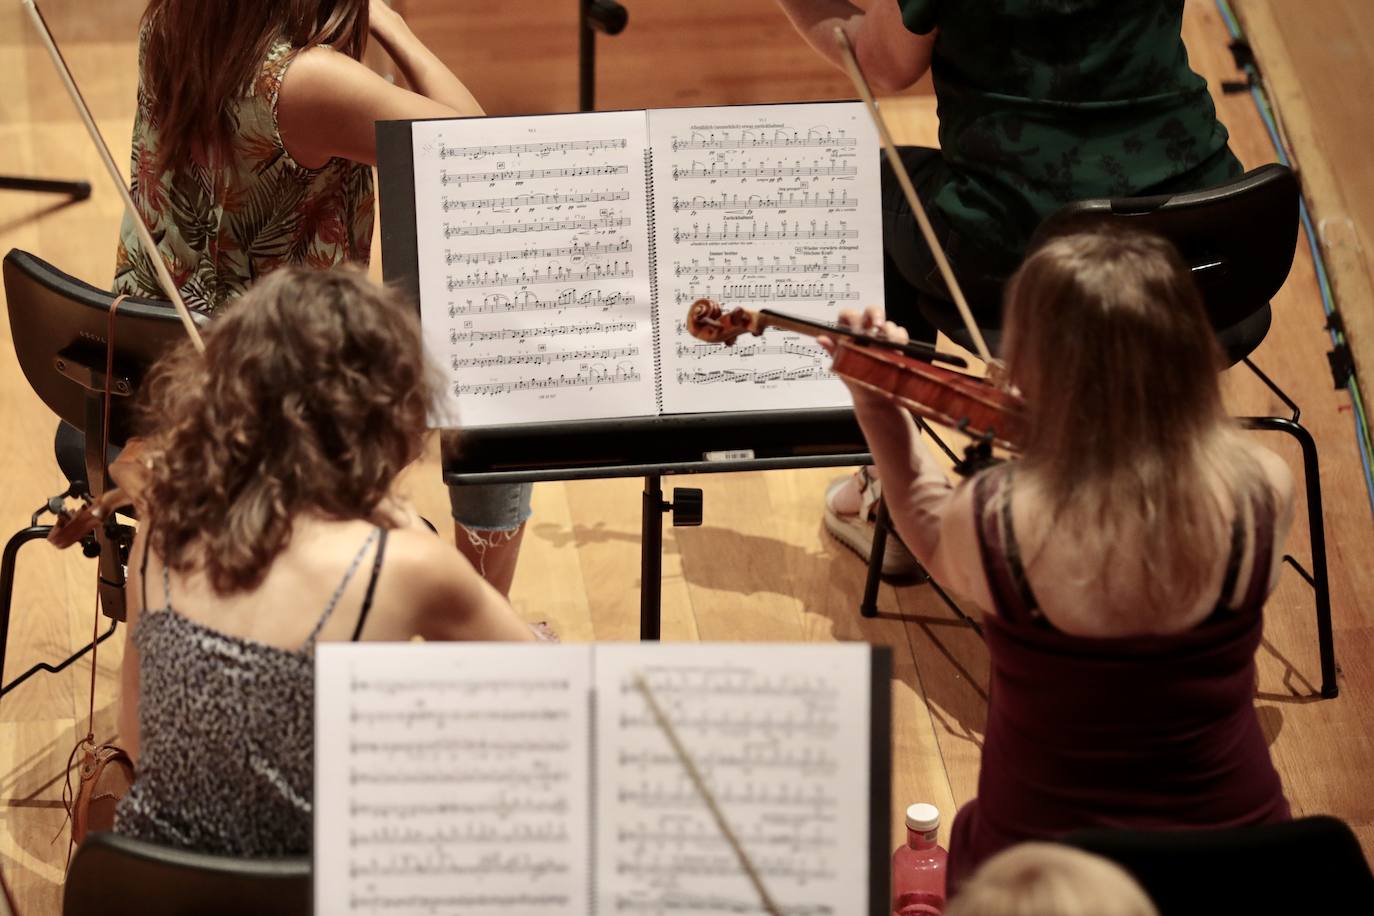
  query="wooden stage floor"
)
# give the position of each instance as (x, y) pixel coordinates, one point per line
(761, 568)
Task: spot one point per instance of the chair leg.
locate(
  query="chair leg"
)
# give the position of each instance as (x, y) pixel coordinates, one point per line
(869, 606)
(1321, 589)
(31, 533)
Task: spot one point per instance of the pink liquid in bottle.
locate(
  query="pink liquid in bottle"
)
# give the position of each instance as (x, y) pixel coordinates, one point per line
(918, 867)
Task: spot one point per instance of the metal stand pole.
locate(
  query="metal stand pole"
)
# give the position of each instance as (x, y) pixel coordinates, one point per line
(869, 606)
(594, 16)
(651, 560)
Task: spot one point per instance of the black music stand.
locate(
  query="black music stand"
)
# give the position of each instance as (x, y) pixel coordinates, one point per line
(648, 447)
(59, 326)
(653, 447)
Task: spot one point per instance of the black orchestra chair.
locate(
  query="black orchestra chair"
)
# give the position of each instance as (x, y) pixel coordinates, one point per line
(1312, 865)
(59, 326)
(113, 875)
(1239, 239)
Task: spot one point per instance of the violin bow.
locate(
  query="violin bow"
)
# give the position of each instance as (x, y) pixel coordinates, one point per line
(899, 169)
(164, 278)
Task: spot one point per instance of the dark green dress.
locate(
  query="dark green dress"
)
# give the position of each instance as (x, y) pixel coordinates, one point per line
(1043, 102)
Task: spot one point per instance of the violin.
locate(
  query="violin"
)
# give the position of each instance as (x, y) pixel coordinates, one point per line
(903, 372)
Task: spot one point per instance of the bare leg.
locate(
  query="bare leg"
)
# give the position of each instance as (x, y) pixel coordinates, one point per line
(492, 553)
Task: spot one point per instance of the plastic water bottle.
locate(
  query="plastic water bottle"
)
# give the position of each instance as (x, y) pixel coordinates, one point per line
(918, 867)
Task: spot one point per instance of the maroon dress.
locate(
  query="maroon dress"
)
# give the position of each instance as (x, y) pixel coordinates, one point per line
(1144, 732)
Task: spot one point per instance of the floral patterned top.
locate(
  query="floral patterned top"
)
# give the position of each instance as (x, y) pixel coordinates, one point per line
(219, 229)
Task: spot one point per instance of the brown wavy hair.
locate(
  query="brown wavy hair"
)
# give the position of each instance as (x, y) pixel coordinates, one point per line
(312, 396)
(1107, 337)
(200, 56)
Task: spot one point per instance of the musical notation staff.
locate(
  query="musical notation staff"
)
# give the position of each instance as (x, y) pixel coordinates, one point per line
(500, 776)
(464, 834)
(781, 201)
(768, 292)
(595, 327)
(753, 376)
(498, 303)
(463, 903)
(524, 174)
(679, 835)
(616, 270)
(749, 139)
(715, 170)
(589, 377)
(504, 805)
(808, 761)
(539, 149)
(743, 352)
(523, 254)
(546, 358)
(774, 266)
(732, 232)
(540, 225)
(782, 868)
(678, 902)
(493, 863)
(471, 747)
(534, 200)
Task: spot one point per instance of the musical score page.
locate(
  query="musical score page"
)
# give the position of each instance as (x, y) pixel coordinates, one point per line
(451, 778)
(762, 206)
(780, 734)
(532, 240)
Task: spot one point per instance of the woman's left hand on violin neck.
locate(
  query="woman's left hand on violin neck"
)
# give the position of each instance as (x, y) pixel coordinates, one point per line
(873, 322)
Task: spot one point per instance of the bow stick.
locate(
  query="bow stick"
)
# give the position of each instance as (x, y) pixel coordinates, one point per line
(164, 278)
(899, 169)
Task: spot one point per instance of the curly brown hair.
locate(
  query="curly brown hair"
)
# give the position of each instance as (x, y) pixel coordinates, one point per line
(312, 396)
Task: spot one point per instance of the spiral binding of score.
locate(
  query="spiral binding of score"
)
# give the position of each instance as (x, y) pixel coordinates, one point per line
(653, 278)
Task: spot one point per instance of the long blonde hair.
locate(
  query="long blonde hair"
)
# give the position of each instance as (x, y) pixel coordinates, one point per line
(200, 56)
(1046, 879)
(1107, 338)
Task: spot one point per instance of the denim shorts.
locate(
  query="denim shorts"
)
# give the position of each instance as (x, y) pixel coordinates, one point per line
(490, 507)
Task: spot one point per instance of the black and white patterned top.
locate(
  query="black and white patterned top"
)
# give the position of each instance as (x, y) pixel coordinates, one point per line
(226, 727)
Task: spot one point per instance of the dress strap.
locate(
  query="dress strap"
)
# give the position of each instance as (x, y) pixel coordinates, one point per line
(339, 590)
(371, 586)
(999, 551)
(1262, 508)
(1228, 583)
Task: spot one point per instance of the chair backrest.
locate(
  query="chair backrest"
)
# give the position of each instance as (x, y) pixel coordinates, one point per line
(1239, 238)
(59, 323)
(114, 875)
(1312, 865)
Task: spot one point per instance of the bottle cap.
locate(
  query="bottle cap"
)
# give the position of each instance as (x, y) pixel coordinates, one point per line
(922, 818)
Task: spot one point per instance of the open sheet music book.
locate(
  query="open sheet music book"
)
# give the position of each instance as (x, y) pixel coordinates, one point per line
(494, 778)
(558, 254)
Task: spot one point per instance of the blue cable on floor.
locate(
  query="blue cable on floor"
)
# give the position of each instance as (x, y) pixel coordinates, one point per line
(1262, 104)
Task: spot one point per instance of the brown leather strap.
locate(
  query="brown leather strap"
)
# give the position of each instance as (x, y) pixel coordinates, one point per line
(104, 475)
